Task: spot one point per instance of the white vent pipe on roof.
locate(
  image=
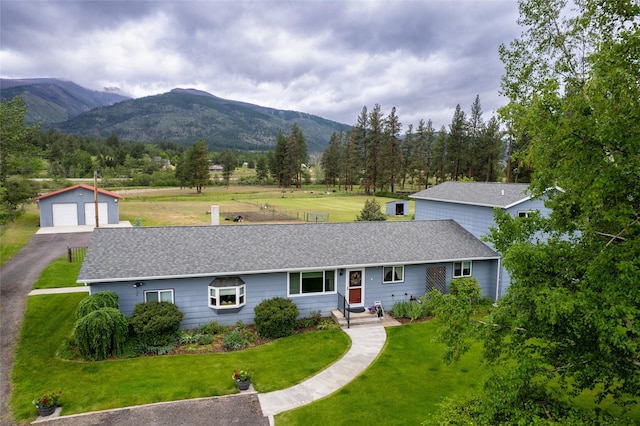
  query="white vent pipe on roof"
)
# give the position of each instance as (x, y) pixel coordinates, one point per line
(215, 215)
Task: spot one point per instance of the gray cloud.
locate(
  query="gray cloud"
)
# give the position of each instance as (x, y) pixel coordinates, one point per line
(328, 58)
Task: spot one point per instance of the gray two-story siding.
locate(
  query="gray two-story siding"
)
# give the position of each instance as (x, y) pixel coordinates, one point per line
(471, 204)
(186, 260)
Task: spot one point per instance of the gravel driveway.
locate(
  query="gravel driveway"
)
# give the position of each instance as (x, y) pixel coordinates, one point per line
(16, 279)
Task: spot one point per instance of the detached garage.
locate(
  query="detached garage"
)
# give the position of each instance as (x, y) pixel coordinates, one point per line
(76, 205)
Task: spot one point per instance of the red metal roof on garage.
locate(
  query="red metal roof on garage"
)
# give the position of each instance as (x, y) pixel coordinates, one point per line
(83, 186)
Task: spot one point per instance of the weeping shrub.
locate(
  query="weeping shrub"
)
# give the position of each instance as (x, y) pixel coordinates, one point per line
(276, 317)
(102, 299)
(156, 323)
(101, 333)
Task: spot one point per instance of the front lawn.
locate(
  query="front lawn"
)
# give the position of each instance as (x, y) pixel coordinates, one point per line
(59, 273)
(402, 386)
(89, 386)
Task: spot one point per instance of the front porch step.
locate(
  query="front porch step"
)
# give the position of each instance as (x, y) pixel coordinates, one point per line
(364, 318)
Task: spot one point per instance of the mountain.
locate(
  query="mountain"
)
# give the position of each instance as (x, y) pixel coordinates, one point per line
(50, 100)
(186, 115)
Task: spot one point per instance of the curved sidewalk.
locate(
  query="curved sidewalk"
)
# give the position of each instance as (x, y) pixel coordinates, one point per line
(366, 344)
(248, 407)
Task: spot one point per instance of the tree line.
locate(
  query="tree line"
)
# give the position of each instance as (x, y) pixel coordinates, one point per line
(375, 155)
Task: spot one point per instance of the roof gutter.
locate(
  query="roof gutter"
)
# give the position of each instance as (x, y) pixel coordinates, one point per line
(88, 281)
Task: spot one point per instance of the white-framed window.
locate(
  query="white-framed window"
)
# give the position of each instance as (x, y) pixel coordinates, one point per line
(312, 282)
(227, 297)
(462, 269)
(524, 213)
(158, 296)
(393, 274)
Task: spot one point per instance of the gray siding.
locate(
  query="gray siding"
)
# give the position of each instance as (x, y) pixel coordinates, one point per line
(79, 197)
(191, 294)
(477, 220)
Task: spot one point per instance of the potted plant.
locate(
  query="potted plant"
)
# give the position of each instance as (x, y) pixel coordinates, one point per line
(47, 402)
(242, 378)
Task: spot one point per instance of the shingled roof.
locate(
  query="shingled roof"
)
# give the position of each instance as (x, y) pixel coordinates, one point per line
(489, 194)
(117, 254)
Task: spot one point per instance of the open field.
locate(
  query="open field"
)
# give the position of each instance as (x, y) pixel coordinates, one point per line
(173, 206)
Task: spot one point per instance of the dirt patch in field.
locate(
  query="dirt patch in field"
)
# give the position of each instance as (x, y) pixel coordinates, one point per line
(254, 213)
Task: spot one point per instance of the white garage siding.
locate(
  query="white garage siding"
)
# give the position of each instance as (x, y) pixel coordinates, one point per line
(65, 214)
(90, 213)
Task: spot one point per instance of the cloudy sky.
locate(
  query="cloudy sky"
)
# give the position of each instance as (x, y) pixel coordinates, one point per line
(328, 58)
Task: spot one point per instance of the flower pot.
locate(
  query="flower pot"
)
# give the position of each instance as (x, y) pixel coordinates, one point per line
(46, 411)
(243, 384)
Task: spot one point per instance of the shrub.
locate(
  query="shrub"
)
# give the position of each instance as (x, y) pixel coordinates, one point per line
(328, 325)
(238, 338)
(276, 317)
(102, 299)
(101, 333)
(409, 309)
(156, 323)
(310, 321)
(212, 328)
(467, 289)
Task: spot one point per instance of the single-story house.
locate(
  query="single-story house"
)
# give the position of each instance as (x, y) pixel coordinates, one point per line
(471, 205)
(75, 205)
(397, 208)
(222, 272)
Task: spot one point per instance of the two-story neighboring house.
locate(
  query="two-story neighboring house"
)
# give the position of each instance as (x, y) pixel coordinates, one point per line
(471, 205)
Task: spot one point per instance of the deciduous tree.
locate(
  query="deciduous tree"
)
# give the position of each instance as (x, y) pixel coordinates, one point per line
(572, 313)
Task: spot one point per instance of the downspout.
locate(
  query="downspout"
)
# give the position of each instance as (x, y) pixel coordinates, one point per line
(498, 280)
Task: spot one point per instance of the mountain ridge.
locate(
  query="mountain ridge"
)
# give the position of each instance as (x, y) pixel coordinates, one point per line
(182, 115)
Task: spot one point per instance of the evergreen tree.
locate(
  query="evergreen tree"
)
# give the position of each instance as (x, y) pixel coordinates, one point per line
(198, 165)
(371, 212)
(391, 153)
(278, 160)
(423, 153)
(440, 147)
(296, 154)
(332, 159)
(228, 159)
(457, 144)
(373, 142)
(475, 131)
(262, 170)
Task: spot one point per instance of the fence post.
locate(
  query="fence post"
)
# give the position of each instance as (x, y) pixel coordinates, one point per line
(69, 254)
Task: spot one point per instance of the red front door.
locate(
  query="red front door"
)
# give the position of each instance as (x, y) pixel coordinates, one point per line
(354, 287)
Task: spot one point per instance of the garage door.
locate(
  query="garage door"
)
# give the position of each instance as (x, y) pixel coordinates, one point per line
(90, 213)
(65, 214)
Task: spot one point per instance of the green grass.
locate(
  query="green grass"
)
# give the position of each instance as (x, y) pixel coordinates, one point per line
(16, 235)
(403, 386)
(89, 386)
(184, 207)
(59, 273)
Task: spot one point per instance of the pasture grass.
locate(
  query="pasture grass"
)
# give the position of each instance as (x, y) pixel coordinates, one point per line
(16, 235)
(165, 207)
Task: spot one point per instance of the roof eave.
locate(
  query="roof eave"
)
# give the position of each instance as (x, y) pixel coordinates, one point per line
(88, 281)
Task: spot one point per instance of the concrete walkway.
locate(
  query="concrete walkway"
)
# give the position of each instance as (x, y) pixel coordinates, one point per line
(366, 344)
(59, 290)
(367, 341)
